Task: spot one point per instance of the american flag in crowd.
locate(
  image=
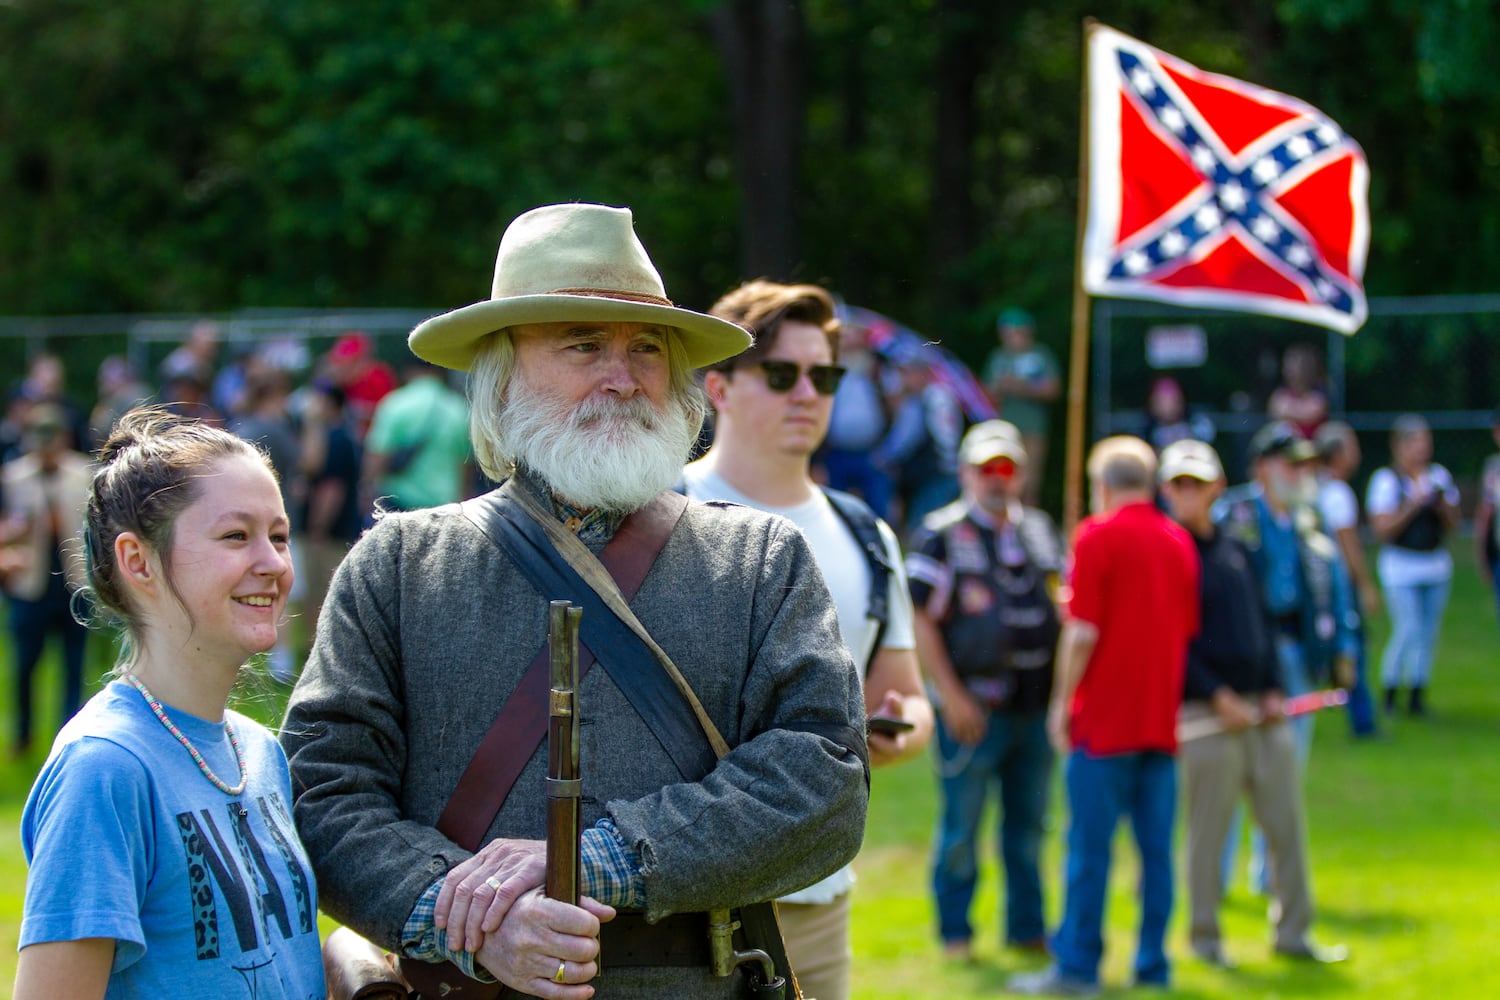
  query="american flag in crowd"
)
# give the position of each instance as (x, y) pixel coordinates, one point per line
(1209, 191)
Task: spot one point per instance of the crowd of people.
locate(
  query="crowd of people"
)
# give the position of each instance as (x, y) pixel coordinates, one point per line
(756, 637)
(341, 437)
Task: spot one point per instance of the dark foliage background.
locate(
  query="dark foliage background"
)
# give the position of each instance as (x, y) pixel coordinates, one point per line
(919, 156)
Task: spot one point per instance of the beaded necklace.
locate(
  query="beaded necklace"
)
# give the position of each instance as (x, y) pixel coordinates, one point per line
(161, 716)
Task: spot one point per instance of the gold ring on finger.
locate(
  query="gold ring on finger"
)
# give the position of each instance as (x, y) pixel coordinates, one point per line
(561, 968)
(493, 883)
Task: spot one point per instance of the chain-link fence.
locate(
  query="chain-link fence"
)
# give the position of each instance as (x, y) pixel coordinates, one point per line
(292, 339)
(1434, 355)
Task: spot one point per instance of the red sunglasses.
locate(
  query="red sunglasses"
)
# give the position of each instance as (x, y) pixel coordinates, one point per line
(998, 468)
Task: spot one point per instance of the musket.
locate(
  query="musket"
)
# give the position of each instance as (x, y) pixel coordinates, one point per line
(1302, 704)
(564, 789)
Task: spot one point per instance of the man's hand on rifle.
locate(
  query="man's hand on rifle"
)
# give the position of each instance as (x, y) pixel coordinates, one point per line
(478, 893)
(1233, 711)
(545, 947)
(1343, 671)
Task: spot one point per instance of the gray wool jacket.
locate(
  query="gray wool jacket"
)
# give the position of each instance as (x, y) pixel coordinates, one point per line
(427, 628)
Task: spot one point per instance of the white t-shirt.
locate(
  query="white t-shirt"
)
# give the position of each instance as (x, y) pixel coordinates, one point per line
(1338, 505)
(1406, 567)
(843, 565)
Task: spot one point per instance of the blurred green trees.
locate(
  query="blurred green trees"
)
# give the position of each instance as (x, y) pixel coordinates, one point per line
(180, 155)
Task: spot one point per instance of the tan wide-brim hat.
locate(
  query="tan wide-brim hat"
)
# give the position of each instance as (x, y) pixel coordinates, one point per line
(573, 264)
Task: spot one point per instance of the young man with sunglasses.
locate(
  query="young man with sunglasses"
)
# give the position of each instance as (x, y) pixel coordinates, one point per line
(986, 637)
(772, 405)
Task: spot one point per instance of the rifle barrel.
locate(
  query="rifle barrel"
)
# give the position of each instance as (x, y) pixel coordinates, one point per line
(564, 790)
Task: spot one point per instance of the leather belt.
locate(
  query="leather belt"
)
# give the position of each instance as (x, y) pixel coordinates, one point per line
(677, 940)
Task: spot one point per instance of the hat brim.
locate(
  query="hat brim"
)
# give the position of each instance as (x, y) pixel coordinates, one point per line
(1202, 471)
(452, 338)
(1297, 451)
(979, 454)
(1302, 451)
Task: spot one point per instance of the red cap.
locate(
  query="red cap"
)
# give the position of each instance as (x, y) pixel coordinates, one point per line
(350, 346)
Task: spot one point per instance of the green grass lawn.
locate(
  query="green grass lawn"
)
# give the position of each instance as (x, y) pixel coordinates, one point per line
(1405, 852)
(1405, 843)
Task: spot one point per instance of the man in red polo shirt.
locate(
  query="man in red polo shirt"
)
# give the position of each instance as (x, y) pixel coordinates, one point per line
(1132, 610)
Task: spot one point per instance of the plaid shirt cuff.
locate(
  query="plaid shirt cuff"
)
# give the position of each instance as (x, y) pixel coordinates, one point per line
(421, 939)
(609, 870)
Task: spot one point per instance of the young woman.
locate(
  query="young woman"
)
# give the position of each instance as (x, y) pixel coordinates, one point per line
(1413, 505)
(163, 857)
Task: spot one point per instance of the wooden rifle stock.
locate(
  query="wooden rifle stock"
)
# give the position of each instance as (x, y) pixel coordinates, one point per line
(564, 789)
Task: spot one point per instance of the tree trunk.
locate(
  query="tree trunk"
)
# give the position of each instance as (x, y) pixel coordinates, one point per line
(763, 45)
(963, 45)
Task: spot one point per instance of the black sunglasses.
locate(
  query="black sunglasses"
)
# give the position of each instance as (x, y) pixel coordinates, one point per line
(781, 376)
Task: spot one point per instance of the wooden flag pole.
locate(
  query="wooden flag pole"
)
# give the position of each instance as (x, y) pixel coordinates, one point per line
(1078, 352)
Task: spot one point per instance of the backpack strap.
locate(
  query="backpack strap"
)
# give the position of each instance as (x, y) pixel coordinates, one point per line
(865, 526)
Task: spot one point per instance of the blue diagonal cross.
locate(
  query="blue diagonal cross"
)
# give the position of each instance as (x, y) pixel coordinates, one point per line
(1237, 195)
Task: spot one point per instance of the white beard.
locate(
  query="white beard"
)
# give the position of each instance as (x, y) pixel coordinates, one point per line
(602, 455)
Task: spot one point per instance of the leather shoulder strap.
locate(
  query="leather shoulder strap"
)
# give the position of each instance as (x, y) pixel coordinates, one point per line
(521, 726)
(630, 659)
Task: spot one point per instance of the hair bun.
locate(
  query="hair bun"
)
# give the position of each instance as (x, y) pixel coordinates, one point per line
(137, 427)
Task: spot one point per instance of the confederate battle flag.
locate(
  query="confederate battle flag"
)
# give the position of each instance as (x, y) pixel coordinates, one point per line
(1208, 191)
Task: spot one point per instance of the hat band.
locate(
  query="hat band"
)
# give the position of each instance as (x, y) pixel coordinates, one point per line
(616, 293)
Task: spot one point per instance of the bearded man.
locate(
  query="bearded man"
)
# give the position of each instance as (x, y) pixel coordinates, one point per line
(581, 394)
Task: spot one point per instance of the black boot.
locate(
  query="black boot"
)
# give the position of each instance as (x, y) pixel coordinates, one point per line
(1414, 705)
(1390, 701)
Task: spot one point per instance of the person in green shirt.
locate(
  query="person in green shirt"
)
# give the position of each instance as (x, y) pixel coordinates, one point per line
(1023, 379)
(417, 451)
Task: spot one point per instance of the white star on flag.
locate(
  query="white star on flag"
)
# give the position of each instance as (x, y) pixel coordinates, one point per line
(1173, 243)
(1203, 158)
(1266, 168)
(1208, 218)
(1265, 228)
(1233, 197)
(1173, 119)
(1299, 148)
(1298, 256)
(1142, 82)
(1136, 262)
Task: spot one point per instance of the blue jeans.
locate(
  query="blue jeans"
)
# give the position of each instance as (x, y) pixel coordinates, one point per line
(1416, 613)
(1495, 579)
(1016, 755)
(1361, 704)
(1101, 790)
(31, 623)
